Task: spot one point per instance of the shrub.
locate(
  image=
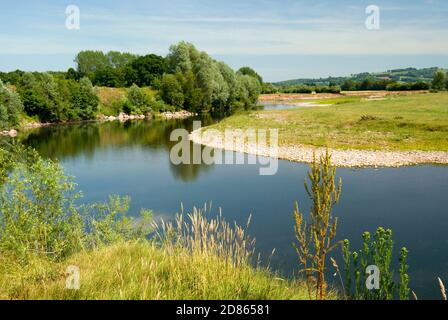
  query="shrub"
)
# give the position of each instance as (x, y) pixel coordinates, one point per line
(139, 101)
(160, 106)
(378, 252)
(10, 107)
(171, 91)
(85, 100)
(39, 215)
(439, 81)
(315, 239)
(41, 97)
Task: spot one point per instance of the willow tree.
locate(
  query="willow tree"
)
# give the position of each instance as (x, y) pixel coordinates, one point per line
(206, 83)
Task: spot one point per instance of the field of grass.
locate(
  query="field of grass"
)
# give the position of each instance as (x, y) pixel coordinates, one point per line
(411, 122)
(142, 271)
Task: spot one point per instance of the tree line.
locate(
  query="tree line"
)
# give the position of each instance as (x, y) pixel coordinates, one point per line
(185, 79)
(370, 83)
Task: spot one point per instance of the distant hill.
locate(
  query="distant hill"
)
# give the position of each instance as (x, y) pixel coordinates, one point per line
(408, 75)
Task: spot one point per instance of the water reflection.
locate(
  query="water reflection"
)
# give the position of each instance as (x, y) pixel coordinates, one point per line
(66, 142)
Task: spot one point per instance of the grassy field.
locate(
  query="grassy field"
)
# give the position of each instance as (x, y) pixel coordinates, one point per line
(142, 271)
(412, 122)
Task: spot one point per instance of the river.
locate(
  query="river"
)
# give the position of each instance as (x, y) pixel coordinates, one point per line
(132, 159)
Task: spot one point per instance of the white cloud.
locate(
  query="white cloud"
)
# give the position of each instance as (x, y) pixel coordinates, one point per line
(232, 35)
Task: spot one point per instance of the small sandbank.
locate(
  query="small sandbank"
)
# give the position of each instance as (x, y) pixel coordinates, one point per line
(340, 158)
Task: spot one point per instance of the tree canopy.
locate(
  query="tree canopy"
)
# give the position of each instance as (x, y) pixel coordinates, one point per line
(197, 82)
(250, 72)
(186, 79)
(144, 70)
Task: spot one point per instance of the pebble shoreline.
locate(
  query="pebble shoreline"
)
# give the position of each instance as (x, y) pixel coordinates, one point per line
(340, 158)
(122, 117)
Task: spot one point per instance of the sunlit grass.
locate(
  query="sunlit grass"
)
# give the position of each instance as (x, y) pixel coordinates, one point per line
(414, 122)
(194, 258)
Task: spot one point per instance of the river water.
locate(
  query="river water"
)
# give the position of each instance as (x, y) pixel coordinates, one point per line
(132, 159)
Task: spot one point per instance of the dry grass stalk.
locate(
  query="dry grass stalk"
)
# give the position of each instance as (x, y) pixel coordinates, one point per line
(207, 237)
(442, 289)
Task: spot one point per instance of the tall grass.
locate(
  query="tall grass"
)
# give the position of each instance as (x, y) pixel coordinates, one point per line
(192, 257)
(144, 271)
(43, 231)
(214, 238)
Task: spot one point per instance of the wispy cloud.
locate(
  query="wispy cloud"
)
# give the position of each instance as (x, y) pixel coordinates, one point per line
(249, 28)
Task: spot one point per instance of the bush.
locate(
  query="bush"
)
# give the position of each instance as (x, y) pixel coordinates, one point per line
(57, 99)
(439, 81)
(139, 101)
(160, 106)
(10, 107)
(40, 96)
(379, 253)
(84, 99)
(171, 91)
(38, 214)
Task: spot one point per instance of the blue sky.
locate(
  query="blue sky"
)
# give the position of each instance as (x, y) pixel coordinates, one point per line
(282, 39)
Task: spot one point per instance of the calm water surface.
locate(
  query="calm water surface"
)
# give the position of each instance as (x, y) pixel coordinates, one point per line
(133, 159)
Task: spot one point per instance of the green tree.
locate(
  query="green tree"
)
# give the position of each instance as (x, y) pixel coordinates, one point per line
(181, 57)
(143, 71)
(200, 83)
(119, 60)
(88, 62)
(439, 80)
(171, 91)
(40, 96)
(109, 77)
(85, 100)
(72, 74)
(139, 100)
(248, 90)
(56, 99)
(39, 215)
(349, 85)
(250, 72)
(10, 107)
